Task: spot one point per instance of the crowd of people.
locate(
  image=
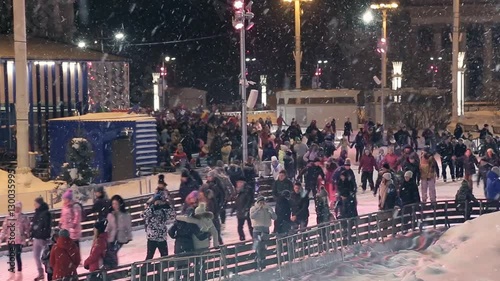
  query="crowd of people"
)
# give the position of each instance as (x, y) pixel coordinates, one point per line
(302, 165)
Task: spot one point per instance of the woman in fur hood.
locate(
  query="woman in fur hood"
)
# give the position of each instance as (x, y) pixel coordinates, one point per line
(203, 219)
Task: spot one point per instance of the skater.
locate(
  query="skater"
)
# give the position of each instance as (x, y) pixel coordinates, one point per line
(156, 217)
(71, 217)
(17, 238)
(64, 257)
(261, 215)
(40, 232)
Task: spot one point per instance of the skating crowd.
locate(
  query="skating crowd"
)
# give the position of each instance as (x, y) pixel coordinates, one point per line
(302, 165)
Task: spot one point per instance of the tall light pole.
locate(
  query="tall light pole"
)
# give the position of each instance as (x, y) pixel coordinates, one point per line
(21, 80)
(242, 22)
(297, 54)
(454, 67)
(384, 7)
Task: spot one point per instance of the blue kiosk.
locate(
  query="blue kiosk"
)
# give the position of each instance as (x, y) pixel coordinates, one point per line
(124, 145)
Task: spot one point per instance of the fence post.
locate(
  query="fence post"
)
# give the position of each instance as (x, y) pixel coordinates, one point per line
(223, 259)
(140, 187)
(51, 199)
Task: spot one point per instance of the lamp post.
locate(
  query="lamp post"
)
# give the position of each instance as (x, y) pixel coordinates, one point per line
(297, 54)
(456, 111)
(384, 7)
(242, 22)
(163, 75)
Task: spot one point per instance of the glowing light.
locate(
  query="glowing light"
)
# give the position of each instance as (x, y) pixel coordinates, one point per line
(238, 4)
(81, 44)
(238, 25)
(119, 36)
(49, 63)
(368, 17)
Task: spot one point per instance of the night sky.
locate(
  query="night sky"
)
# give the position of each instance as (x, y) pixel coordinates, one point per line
(329, 30)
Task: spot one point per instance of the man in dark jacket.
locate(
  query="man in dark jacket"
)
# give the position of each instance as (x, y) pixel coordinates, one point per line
(445, 150)
(220, 193)
(283, 224)
(312, 172)
(194, 174)
(412, 165)
(485, 131)
(41, 226)
(348, 129)
(281, 185)
(235, 172)
(188, 185)
(459, 153)
(299, 201)
(243, 203)
(182, 231)
(249, 172)
(409, 190)
(359, 144)
(102, 204)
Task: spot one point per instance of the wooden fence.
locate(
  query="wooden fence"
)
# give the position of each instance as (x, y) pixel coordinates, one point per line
(135, 207)
(239, 258)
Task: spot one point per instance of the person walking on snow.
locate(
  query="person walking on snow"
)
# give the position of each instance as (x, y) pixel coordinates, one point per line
(71, 217)
(242, 204)
(98, 251)
(119, 230)
(64, 257)
(367, 165)
(299, 202)
(15, 231)
(41, 226)
(156, 217)
(429, 172)
(101, 205)
(261, 215)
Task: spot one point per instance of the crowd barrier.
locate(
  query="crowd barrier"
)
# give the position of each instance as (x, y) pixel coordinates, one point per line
(135, 207)
(297, 253)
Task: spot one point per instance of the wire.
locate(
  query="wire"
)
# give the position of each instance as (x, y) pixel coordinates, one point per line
(177, 41)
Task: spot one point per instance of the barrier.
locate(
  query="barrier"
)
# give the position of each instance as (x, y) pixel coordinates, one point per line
(307, 245)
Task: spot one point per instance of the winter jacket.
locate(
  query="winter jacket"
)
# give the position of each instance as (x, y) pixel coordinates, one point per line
(219, 191)
(470, 164)
(41, 224)
(250, 174)
(359, 141)
(323, 214)
(64, 258)
(492, 186)
(243, 202)
(414, 168)
(289, 165)
(97, 253)
(262, 216)
(182, 231)
(460, 150)
(428, 168)
(446, 151)
(346, 188)
(205, 224)
(71, 219)
(156, 218)
(119, 227)
(299, 203)
(280, 186)
(45, 257)
(390, 195)
(101, 206)
(235, 172)
(186, 188)
(347, 208)
(283, 213)
(392, 160)
(409, 193)
(367, 163)
(276, 169)
(196, 177)
(312, 173)
(21, 228)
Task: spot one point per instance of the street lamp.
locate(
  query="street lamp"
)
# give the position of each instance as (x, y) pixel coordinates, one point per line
(119, 36)
(298, 53)
(384, 7)
(81, 44)
(368, 17)
(242, 21)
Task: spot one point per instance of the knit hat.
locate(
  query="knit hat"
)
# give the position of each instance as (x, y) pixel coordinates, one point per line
(408, 174)
(158, 197)
(387, 176)
(347, 162)
(161, 179)
(99, 189)
(64, 233)
(496, 170)
(185, 174)
(101, 225)
(68, 194)
(260, 199)
(39, 200)
(201, 210)
(274, 158)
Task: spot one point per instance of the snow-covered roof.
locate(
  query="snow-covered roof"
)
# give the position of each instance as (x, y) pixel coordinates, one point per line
(107, 117)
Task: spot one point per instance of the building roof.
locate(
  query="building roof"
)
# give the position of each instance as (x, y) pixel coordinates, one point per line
(107, 117)
(43, 49)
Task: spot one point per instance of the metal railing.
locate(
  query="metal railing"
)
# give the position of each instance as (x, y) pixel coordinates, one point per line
(299, 252)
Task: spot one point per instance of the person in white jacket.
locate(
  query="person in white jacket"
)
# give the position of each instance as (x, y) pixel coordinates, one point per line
(276, 167)
(261, 215)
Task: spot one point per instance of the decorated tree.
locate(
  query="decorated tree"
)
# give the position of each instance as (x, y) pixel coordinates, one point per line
(77, 172)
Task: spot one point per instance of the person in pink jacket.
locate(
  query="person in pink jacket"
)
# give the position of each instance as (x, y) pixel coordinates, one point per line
(71, 217)
(17, 224)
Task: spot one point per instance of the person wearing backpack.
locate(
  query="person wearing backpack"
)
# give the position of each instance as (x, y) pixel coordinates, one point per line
(41, 225)
(119, 231)
(71, 217)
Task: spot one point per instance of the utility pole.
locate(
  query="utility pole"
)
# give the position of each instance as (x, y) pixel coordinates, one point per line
(298, 52)
(21, 82)
(454, 67)
(384, 67)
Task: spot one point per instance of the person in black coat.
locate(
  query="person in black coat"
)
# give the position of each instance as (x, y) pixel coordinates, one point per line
(359, 144)
(446, 151)
(243, 203)
(409, 191)
(182, 231)
(40, 230)
(283, 210)
(459, 153)
(188, 185)
(101, 205)
(249, 172)
(312, 172)
(235, 172)
(194, 174)
(299, 201)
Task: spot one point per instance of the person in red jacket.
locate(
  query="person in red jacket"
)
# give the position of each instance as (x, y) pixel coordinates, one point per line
(64, 257)
(367, 164)
(99, 247)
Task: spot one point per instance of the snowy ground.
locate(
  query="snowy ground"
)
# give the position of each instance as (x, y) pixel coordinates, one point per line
(136, 250)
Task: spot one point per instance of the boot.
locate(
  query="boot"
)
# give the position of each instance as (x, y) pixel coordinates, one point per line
(41, 276)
